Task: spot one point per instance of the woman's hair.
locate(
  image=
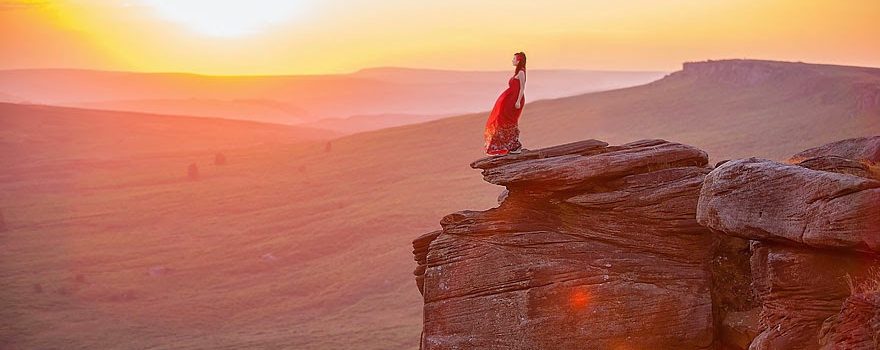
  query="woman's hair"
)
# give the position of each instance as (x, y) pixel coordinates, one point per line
(521, 62)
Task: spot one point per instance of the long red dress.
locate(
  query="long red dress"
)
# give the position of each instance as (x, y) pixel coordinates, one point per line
(502, 133)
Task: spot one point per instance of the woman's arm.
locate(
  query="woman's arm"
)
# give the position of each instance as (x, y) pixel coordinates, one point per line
(521, 76)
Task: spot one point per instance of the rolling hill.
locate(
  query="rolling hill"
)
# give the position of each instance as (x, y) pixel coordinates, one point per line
(308, 247)
(35, 134)
(369, 122)
(299, 99)
(253, 109)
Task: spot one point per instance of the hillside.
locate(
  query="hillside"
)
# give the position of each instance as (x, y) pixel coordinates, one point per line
(298, 99)
(41, 134)
(361, 123)
(730, 109)
(292, 246)
(254, 110)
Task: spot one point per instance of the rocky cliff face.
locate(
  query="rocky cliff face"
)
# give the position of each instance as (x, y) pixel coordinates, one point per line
(855, 85)
(644, 246)
(815, 232)
(593, 247)
(741, 72)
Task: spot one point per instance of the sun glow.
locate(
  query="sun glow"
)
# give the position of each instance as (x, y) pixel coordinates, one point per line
(247, 37)
(226, 18)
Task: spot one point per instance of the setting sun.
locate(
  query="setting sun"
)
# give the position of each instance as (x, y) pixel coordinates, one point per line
(226, 18)
(336, 36)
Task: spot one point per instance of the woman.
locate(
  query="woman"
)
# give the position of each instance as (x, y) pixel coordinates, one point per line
(502, 133)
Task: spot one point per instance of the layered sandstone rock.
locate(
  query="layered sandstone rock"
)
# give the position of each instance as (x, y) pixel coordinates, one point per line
(856, 326)
(858, 149)
(814, 226)
(594, 247)
(858, 156)
(601, 247)
(842, 165)
(799, 289)
(765, 200)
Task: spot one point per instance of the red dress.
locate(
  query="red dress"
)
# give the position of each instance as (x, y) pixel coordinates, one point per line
(502, 133)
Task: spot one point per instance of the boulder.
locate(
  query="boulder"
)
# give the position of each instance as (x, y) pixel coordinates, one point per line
(858, 149)
(765, 200)
(842, 165)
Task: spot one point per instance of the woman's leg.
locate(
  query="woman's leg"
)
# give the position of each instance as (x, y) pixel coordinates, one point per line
(514, 146)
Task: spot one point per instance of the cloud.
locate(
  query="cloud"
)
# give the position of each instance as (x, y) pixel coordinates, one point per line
(8, 5)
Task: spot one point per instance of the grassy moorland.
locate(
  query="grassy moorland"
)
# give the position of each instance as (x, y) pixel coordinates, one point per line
(290, 245)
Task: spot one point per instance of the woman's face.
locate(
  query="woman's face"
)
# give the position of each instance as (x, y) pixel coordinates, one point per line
(515, 60)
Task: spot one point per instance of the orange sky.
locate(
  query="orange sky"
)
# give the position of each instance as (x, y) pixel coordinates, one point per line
(332, 36)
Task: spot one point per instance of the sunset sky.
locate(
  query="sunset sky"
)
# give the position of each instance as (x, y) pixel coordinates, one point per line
(336, 36)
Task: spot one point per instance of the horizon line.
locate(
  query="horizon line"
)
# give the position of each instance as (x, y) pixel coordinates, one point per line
(410, 68)
(161, 72)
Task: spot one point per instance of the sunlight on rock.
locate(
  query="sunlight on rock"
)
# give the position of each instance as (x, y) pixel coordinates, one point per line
(579, 299)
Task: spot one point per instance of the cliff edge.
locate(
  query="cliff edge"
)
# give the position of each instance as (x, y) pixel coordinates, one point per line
(644, 245)
(594, 246)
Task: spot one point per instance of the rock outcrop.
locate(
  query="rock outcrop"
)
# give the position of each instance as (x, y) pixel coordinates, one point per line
(865, 149)
(740, 72)
(856, 326)
(815, 228)
(594, 247)
(642, 246)
(855, 87)
(765, 200)
(842, 165)
(858, 156)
